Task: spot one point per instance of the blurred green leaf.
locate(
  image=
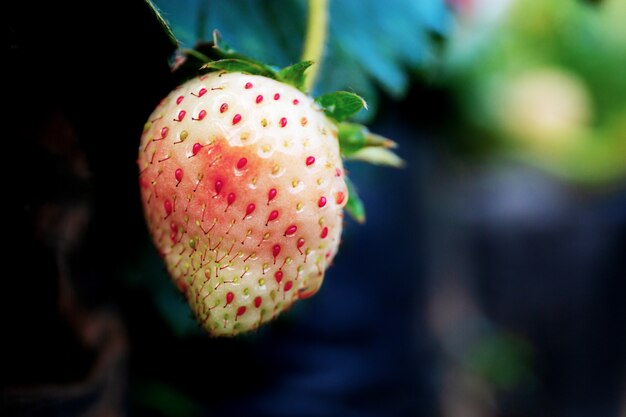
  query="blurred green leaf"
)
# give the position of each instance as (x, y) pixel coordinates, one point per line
(166, 27)
(544, 82)
(505, 360)
(371, 43)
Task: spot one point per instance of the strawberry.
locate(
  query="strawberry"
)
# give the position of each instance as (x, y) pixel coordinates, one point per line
(243, 190)
(243, 185)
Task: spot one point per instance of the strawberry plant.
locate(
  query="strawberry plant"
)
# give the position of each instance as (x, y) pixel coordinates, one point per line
(243, 185)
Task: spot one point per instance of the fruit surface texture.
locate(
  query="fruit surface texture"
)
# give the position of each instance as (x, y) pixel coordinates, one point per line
(243, 191)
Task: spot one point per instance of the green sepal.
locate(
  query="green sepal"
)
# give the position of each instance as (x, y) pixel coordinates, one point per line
(359, 144)
(377, 156)
(354, 206)
(241, 65)
(222, 47)
(294, 74)
(341, 105)
(353, 137)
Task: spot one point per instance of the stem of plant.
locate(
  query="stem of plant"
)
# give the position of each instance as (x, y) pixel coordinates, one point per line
(315, 40)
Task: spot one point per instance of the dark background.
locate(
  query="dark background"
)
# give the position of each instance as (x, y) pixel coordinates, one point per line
(490, 289)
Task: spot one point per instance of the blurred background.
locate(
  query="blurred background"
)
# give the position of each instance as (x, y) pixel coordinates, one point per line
(488, 280)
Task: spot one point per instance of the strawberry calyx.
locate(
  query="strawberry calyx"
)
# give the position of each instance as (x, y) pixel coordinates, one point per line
(357, 143)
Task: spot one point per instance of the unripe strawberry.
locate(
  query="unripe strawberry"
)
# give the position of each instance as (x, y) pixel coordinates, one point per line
(243, 190)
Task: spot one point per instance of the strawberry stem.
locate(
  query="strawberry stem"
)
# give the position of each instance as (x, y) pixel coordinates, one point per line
(315, 40)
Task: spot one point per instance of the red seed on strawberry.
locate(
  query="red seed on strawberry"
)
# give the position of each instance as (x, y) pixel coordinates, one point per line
(300, 244)
(250, 209)
(200, 93)
(218, 186)
(167, 205)
(229, 298)
(275, 251)
(273, 216)
(201, 115)
(180, 116)
(271, 194)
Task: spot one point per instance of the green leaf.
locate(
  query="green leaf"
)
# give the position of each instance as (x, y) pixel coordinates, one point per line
(354, 206)
(341, 105)
(166, 27)
(377, 156)
(241, 65)
(354, 137)
(294, 74)
(372, 48)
